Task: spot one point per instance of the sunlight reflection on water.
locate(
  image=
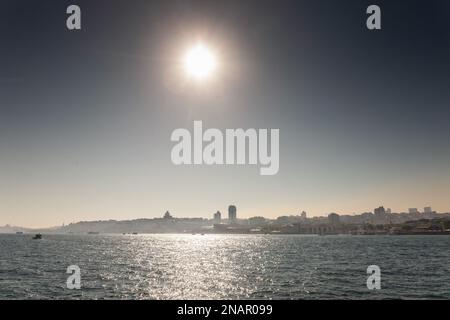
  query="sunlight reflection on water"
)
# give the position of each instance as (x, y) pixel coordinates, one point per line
(223, 266)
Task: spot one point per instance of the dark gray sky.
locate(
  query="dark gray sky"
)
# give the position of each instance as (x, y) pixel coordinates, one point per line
(86, 116)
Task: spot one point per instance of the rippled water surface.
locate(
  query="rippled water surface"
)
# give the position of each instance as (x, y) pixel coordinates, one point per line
(224, 266)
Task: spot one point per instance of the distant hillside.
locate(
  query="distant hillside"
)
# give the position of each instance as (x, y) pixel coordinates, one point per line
(158, 225)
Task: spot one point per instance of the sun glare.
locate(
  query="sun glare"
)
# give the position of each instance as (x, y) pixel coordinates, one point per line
(200, 62)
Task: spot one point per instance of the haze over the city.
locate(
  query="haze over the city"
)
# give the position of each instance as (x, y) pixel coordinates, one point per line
(86, 116)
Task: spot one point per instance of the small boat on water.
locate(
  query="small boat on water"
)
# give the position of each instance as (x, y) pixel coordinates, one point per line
(19, 232)
(135, 233)
(37, 236)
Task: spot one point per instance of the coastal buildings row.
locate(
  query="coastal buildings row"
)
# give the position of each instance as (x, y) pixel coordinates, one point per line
(380, 221)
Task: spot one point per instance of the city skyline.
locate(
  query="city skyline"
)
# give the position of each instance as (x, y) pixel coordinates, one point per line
(381, 221)
(229, 216)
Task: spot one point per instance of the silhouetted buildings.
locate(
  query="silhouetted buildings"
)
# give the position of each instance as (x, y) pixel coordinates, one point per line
(381, 221)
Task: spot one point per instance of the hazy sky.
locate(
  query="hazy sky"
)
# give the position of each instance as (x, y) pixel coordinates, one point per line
(86, 116)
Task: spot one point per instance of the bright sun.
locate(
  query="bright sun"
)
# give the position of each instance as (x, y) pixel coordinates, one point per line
(200, 62)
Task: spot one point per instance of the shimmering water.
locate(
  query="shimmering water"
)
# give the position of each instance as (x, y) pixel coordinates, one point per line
(224, 266)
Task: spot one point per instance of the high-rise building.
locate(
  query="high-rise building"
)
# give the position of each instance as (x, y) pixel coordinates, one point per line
(232, 214)
(379, 210)
(217, 217)
(427, 210)
(388, 210)
(413, 210)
